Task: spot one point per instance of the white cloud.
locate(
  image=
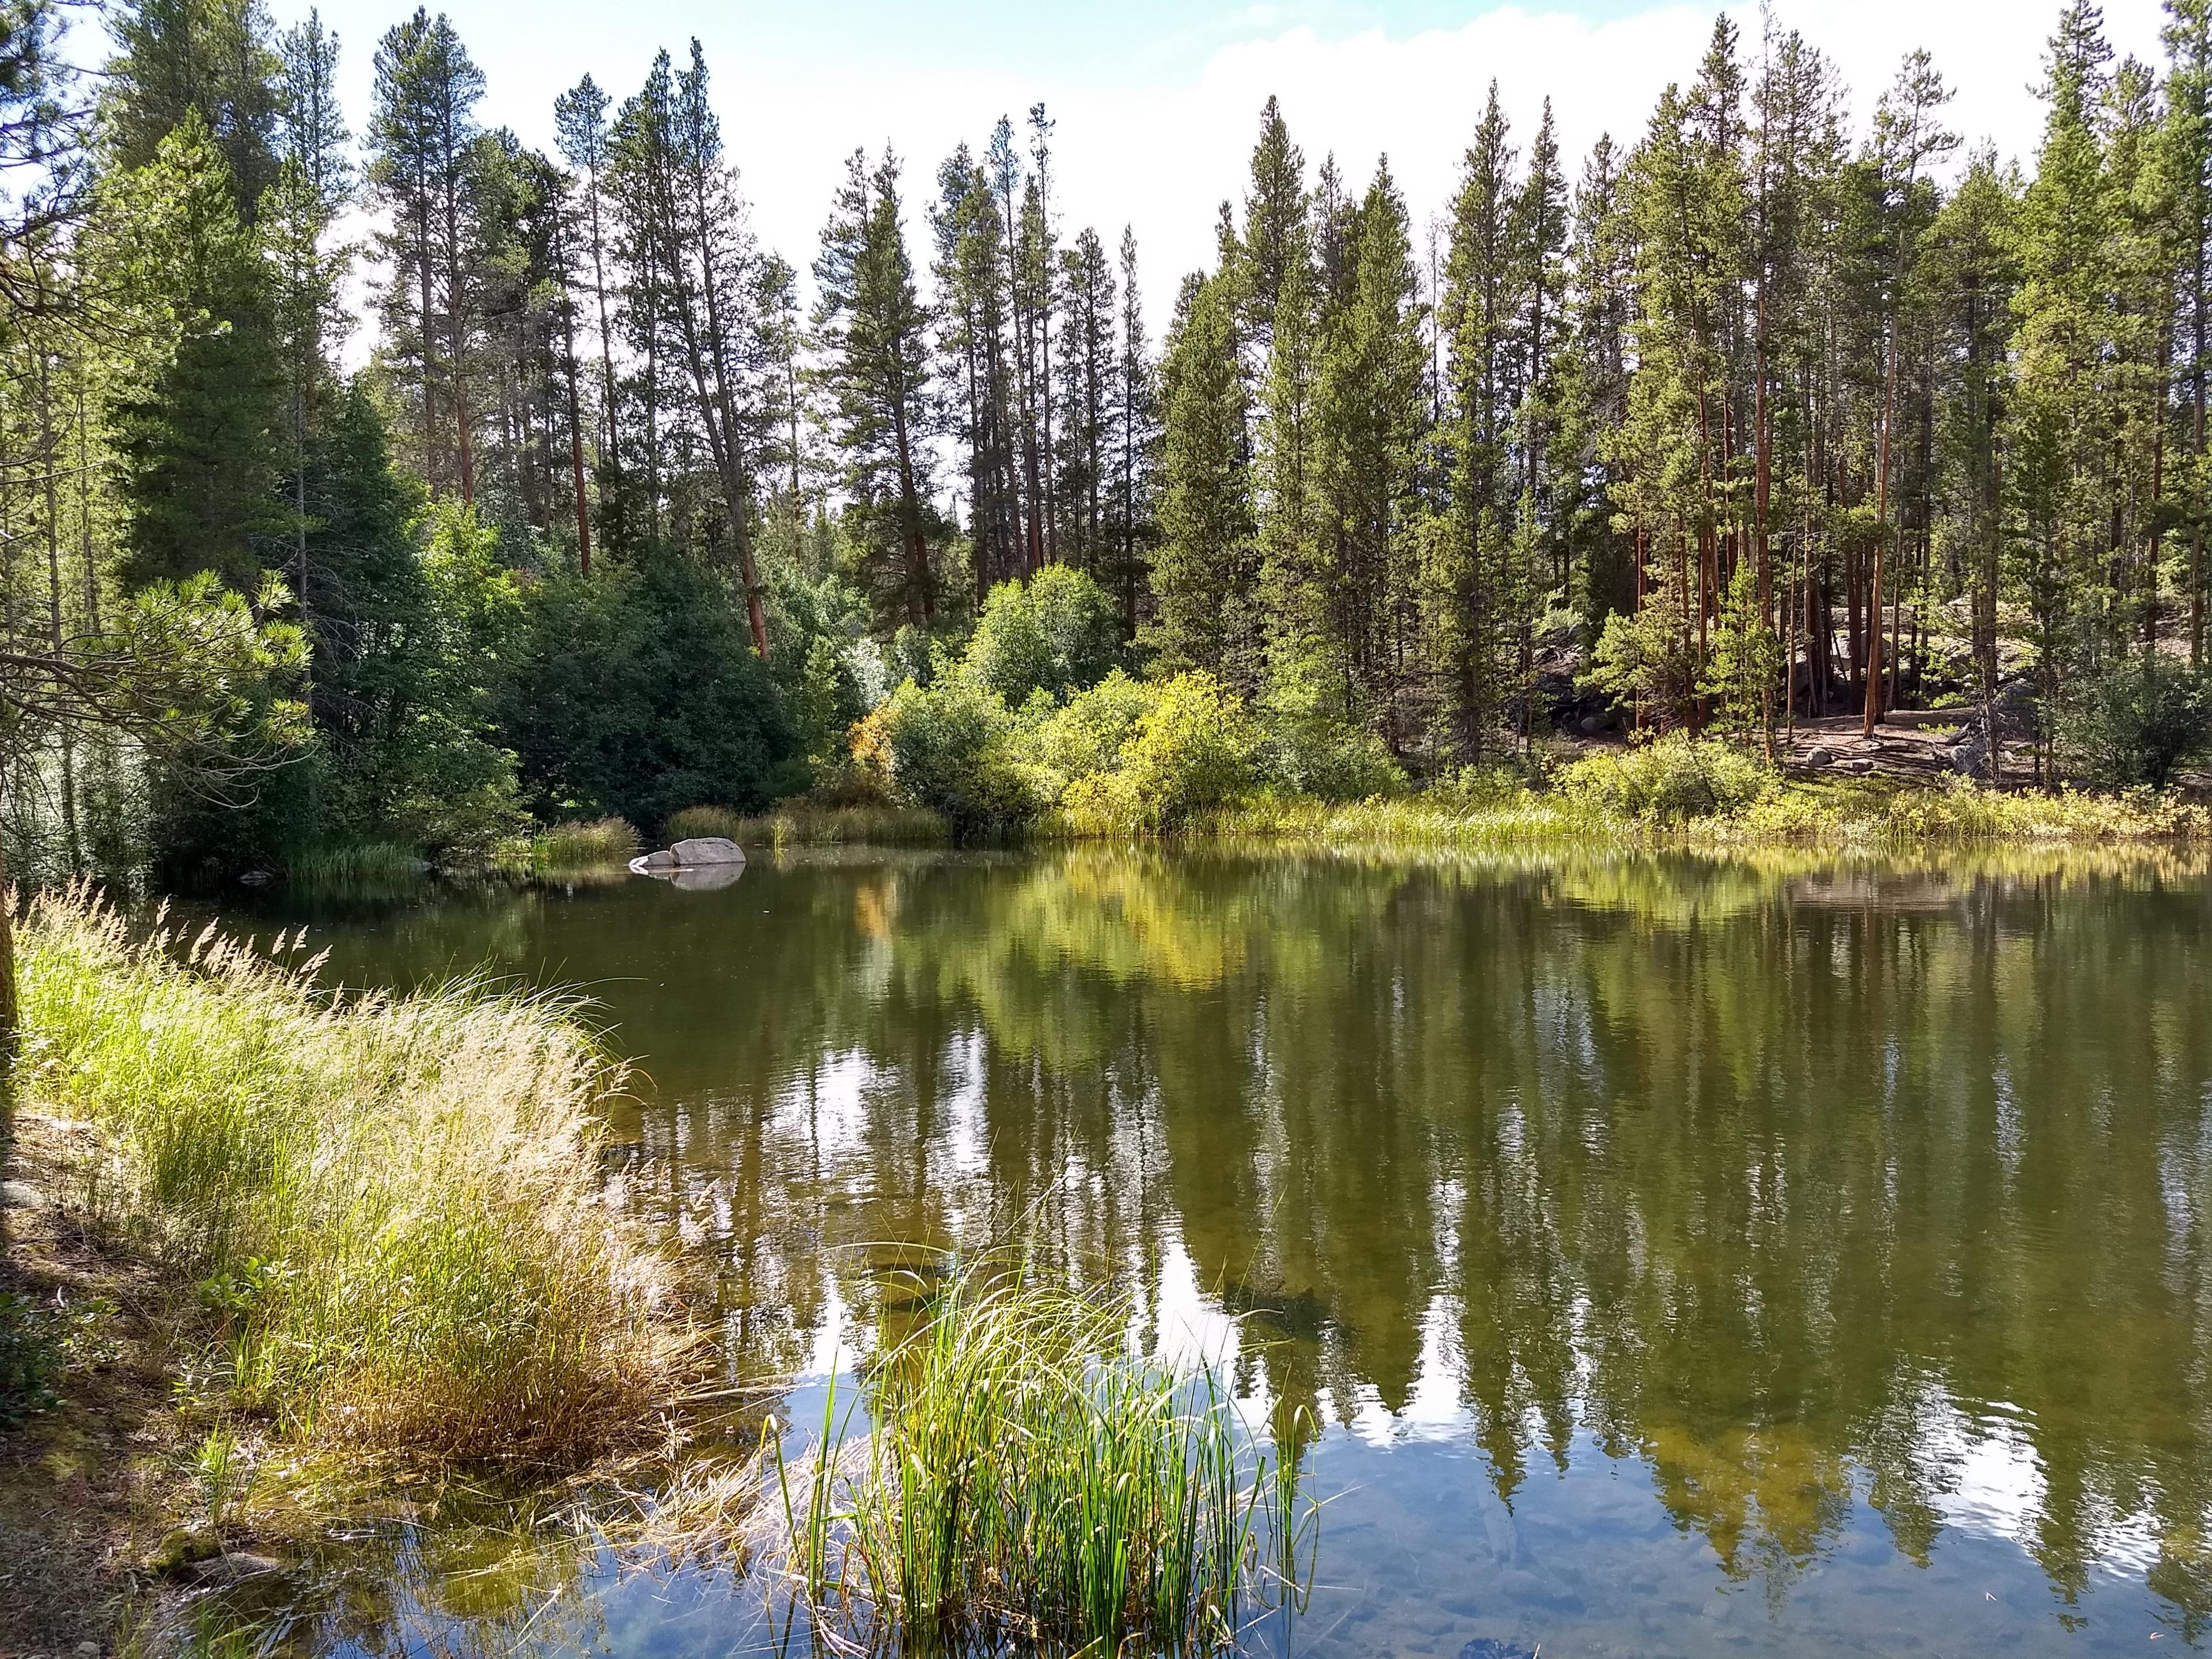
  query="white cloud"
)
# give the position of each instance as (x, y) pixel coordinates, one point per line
(1162, 153)
(1163, 157)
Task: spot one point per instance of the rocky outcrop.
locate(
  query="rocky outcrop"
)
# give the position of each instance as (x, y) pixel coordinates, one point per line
(700, 865)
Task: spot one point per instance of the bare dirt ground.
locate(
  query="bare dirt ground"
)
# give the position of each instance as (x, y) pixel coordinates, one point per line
(84, 1484)
(1909, 745)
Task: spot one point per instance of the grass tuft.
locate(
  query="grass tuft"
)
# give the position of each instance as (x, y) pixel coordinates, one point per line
(1027, 1482)
(393, 1205)
(373, 863)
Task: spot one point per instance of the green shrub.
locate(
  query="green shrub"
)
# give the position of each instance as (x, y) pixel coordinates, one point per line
(952, 750)
(1327, 758)
(1671, 780)
(30, 1359)
(2134, 726)
(1058, 633)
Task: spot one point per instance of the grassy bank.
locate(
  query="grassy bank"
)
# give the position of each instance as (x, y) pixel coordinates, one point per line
(1864, 815)
(392, 1206)
(1025, 1479)
(1869, 814)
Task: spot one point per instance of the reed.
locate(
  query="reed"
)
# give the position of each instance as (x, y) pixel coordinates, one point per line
(804, 824)
(565, 849)
(374, 863)
(394, 1206)
(1027, 1483)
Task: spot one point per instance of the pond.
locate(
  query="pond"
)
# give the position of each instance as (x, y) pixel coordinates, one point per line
(1680, 1256)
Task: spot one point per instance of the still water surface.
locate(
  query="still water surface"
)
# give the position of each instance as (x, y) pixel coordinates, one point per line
(1681, 1256)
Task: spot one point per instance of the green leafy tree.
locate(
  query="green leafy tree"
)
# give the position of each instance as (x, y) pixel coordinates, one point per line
(1057, 634)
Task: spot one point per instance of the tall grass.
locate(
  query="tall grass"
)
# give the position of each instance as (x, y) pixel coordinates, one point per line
(1027, 1483)
(803, 824)
(394, 1204)
(566, 848)
(367, 863)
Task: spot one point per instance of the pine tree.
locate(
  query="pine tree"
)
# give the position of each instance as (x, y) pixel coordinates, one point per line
(212, 56)
(1372, 410)
(873, 335)
(421, 136)
(2057, 422)
(1086, 361)
(580, 123)
(1135, 445)
(2188, 163)
(197, 423)
(1201, 575)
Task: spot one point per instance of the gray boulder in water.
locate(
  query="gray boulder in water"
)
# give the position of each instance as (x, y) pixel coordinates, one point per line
(1489, 1647)
(702, 850)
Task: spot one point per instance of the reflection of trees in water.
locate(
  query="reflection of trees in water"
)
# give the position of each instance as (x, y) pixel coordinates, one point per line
(1760, 1173)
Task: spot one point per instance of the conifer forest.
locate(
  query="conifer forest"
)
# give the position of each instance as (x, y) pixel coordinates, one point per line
(368, 478)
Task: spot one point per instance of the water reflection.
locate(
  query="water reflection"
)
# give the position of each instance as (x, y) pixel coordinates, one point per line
(1811, 1193)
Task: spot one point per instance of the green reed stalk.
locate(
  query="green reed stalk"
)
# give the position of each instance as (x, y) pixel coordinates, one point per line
(1027, 1480)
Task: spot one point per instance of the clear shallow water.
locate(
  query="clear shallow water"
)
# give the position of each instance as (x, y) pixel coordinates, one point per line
(1681, 1257)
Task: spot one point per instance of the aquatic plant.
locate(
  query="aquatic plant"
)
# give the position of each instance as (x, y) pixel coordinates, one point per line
(592, 844)
(802, 824)
(393, 1205)
(1027, 1480)
(350, 863)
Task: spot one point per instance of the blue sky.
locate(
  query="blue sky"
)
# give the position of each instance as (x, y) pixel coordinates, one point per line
(1157, 101)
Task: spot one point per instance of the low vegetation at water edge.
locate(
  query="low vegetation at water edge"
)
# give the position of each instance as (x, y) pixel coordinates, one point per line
(597, 843)
(393, 1205)
(1026, 1480)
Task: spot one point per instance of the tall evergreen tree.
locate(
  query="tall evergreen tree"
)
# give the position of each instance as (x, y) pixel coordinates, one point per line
(872, 333)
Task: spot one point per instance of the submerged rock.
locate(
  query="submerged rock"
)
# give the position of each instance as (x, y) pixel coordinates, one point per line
(231, 1566)
(706, 878)
(1489, 1647)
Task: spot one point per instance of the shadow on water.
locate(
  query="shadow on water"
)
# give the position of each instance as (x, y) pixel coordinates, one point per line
(1769, 1253)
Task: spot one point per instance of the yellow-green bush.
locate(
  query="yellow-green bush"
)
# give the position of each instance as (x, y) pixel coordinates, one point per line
(1193, 747)
(1673, 780)
(951, 749)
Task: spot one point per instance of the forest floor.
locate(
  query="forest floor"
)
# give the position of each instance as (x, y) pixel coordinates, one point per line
(1910, 747)
(89, 1483)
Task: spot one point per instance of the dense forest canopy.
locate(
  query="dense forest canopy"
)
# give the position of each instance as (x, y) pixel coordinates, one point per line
(1753, 413)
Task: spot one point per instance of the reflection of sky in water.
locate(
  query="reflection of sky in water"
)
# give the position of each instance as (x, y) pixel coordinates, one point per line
(1672, 1274)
